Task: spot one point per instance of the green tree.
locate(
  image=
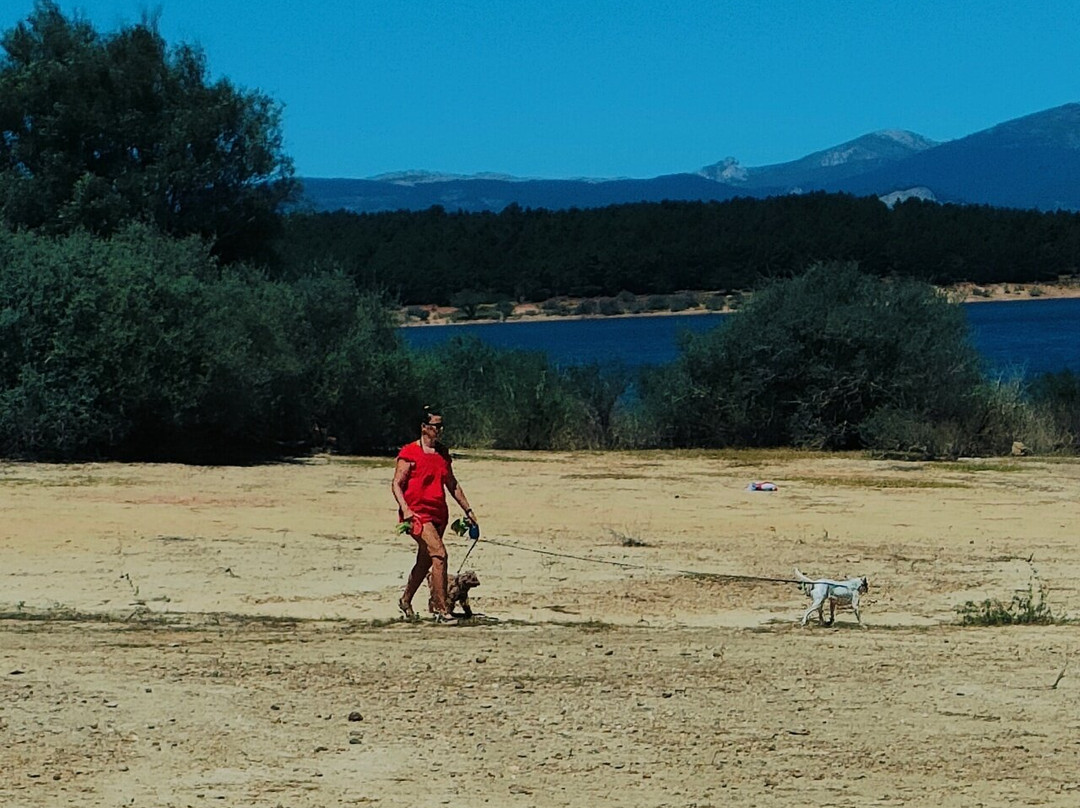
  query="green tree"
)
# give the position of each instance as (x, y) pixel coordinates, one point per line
(97, 130)
(141, 345)
(468, 302)
(811, 359)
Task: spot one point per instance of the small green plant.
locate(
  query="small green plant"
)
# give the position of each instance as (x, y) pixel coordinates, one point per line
(505, 308)
(1027, 607)
(626, 539)
(715, 302)
(609, 306)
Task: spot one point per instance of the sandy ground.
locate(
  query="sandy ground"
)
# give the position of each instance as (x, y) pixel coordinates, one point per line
(189, 636)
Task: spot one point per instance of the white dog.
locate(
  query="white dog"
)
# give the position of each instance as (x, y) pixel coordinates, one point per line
(839, 594)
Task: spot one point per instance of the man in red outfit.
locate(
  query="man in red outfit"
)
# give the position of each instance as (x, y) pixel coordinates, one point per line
(424, 472)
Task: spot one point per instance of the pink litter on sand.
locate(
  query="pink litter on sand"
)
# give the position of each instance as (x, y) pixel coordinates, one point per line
(761, 486)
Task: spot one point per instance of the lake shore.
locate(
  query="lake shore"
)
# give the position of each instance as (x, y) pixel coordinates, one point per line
(550, 310)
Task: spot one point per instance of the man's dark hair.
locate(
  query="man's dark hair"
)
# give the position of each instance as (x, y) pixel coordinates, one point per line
(429, 413)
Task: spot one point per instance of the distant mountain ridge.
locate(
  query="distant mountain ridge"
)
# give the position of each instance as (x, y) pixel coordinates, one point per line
(849, 159)
(1027, 162)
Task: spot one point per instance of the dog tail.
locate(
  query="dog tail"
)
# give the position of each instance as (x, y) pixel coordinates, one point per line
(804, 582)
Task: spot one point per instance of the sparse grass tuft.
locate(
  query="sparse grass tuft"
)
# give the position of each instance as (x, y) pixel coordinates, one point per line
(1027, 607)
(606, 475)
(70, 481)
(67, 614)
(588, 626)
(627, 540)
(363, 462)
(983, 465)
(877, 482)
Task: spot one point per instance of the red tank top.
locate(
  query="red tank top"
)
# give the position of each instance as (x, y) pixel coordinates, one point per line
(424, 487)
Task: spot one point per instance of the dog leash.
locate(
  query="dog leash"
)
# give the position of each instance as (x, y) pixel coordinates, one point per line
(711, 576)
(466, 558)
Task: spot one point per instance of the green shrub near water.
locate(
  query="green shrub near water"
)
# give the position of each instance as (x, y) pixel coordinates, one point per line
(1058, 396)
(144, 346)
(999, 412)
(813, 359)
(517, 399)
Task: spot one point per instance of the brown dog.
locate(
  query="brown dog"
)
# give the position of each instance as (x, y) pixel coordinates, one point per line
(458, 592)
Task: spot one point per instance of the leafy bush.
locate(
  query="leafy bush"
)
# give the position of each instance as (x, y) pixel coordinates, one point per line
(143, 346)
(498, 399)
(99, 337)
(681, 301)
(467, 302)
(598, 391)
(610, 306)
(518, 400)
(998, 413)
(897, 433)
(555, 306)
(1058, 395)
(587, 306)
(811, 359)
(1027, 607)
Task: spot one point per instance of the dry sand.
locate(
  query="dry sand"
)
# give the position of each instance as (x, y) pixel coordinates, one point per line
(188, 636)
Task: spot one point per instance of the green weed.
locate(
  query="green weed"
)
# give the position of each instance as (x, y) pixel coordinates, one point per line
(1027, 607)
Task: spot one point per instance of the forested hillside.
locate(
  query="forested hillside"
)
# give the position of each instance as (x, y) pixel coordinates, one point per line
(532, 255)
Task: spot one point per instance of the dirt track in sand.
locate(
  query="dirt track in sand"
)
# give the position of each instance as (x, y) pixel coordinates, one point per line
(195, 636)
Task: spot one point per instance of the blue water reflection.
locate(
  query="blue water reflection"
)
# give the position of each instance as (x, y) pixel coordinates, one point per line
(1030, 336)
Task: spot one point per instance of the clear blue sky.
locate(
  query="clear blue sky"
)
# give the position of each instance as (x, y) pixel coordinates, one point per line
(604, 88)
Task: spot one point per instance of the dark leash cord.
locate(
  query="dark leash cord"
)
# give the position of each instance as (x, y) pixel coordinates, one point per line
(709, 576)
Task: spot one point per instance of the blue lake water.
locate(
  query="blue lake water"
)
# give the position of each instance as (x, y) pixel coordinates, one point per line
(1029, 336)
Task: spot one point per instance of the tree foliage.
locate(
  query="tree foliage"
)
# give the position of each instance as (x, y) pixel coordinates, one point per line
(811, 359)
(97, 130)
(145, 346)
(657, 249)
